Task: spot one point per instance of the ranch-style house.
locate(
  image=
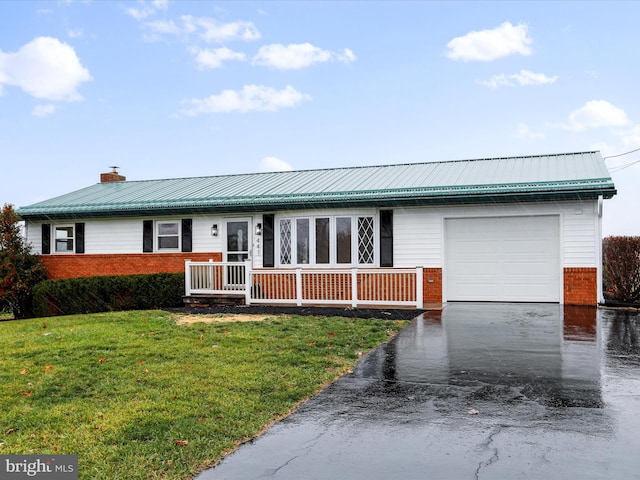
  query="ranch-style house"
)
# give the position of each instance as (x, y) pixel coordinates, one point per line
(518, 229)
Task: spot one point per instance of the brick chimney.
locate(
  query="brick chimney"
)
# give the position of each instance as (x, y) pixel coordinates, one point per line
(112, 176)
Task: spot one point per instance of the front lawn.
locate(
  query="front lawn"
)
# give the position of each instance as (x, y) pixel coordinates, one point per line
(138, 396)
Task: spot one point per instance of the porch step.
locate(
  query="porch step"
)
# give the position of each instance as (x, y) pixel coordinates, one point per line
(204, 300)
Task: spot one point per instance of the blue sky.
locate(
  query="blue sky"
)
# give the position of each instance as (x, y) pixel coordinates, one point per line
(179, 88)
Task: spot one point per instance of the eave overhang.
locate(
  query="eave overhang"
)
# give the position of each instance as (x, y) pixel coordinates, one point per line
(478, 194)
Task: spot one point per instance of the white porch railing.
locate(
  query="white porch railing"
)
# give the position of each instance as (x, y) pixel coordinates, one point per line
(340, 286)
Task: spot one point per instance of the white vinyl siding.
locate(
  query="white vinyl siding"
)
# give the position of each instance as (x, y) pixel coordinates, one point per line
(201, 238)
(33, 236)
(418, 234)
(582, 240)
(416, 237)
(113, 236)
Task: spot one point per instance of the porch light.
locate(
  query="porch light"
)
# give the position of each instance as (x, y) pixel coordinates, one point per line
(214, 230)
(258, 229)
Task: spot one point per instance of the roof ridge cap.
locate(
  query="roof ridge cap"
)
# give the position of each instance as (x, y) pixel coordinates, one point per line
(357, 167)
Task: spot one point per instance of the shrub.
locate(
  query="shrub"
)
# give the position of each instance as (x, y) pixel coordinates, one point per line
(104, 294)
(20, 269)
(621, 269)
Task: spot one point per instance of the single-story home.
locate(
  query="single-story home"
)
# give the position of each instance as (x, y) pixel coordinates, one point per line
(518, 229)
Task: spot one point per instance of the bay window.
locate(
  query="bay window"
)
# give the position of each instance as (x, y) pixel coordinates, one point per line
(345, 240)
(302, 240)
(322, 241)
(285, 241)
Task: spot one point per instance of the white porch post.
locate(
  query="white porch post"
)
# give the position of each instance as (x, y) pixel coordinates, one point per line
(299, 286)
(354, 287)
(248, 281)
(211, 272)
(419, 287)
(187, 277)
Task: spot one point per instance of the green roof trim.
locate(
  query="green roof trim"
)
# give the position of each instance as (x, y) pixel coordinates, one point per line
(535, 178)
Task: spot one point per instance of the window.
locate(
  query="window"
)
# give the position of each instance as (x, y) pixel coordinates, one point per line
(285, 241)
(365, 240)
(168, 235)
(344, 240)
(302, 240)
(322, 240)
(64, 239)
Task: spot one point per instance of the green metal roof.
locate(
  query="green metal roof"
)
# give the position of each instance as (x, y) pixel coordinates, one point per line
(543, 177)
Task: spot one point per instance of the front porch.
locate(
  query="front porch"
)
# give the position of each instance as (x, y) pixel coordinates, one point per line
(214, 282)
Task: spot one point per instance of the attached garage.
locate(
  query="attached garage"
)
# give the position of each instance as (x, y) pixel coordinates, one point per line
(515, 259)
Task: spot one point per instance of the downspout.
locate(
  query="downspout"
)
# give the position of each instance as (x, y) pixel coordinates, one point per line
(599, 248)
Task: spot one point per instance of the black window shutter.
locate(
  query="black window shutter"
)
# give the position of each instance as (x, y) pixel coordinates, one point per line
(386, 238)
(147, 235)
(79, 231)
(46, 239)
(187, 229)
(268, 255)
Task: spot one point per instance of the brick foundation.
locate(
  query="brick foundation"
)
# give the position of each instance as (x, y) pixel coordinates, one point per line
(580, 286)
(432, 285)
(72, 266)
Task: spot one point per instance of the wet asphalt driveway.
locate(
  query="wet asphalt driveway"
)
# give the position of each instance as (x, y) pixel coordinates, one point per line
(478, 391)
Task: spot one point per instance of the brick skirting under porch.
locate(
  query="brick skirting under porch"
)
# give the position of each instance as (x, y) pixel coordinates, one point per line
(432, 285)
(93, 265)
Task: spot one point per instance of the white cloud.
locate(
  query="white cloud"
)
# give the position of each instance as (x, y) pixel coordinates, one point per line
(595, 114)
(140, 13)
(631, 137)
(145, 10)
(43, 110)
(274, 164)
(296, 56)
(213, 58)
(252, 98)
(524, 79)
(157, 28)
(75, 33)
(488, 45)
(208, 29)
(524, 132)
(212, 30)
(161, 4)
(44, 68)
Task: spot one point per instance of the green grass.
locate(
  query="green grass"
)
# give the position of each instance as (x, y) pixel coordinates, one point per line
(125, 391)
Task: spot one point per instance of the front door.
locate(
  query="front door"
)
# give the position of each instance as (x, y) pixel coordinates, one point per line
(237, 240)
(237, 251)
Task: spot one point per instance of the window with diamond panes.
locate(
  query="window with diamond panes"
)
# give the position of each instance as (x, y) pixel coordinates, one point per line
(365, 240)
(285, 242)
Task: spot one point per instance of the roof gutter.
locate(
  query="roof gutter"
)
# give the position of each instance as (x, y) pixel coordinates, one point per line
(255, 206)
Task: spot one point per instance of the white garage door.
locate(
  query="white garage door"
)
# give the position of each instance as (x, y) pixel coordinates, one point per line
(511, 259)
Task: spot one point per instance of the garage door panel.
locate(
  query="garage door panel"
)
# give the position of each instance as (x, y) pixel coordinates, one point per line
(503, 259)
(532, 268)
(529, 247)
